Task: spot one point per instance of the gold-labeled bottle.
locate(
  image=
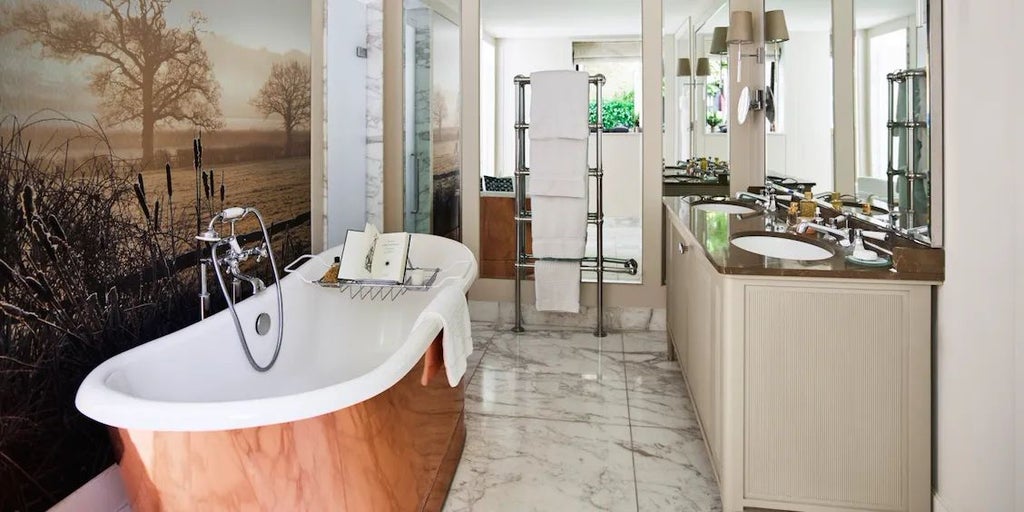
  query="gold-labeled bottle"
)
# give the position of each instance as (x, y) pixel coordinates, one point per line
(331, 276)
(807, 205)
(837, 202)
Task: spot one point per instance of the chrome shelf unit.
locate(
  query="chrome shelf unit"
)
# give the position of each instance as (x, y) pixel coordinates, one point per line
(599, 263)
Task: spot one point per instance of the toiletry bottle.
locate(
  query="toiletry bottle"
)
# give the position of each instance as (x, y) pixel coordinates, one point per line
(837, 202)
(807, 205)
(866, 208)
(794, 212)
(331, 276)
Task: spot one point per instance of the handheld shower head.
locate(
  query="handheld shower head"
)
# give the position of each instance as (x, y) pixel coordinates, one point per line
(209, 235)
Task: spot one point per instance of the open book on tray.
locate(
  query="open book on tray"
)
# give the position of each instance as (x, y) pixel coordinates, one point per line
(373, 257)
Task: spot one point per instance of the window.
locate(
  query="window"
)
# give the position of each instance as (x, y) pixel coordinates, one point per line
(716, 118)
(621, 64)
(888, 53)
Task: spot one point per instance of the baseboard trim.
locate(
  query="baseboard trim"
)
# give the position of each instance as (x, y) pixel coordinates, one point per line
(104, 493)
(937, 504)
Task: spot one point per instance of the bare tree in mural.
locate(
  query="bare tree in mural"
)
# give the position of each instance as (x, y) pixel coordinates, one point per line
(438, 109)
(287, 94)
(151, 73)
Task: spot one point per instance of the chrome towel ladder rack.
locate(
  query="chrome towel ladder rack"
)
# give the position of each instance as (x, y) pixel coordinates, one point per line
(523, 216)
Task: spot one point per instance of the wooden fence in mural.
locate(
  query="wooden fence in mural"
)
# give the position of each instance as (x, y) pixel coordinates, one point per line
(191, 258)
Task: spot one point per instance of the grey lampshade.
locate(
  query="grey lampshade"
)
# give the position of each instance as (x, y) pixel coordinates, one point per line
(775, 30)
(683, 67)
(741, 27)
(719, 46)
(703, 67)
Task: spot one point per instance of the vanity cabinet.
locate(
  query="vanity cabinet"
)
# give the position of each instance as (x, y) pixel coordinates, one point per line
(813, 393)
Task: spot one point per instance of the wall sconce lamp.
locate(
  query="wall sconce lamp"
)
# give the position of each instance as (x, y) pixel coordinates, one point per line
(776, 31)
(683, 67)
(741, 32)
(719, 41)
(703, 67)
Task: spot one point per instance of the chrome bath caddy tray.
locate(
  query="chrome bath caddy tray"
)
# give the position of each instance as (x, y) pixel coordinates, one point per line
(364, 290)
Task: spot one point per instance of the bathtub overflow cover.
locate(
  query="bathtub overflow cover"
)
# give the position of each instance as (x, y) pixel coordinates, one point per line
(263, 324)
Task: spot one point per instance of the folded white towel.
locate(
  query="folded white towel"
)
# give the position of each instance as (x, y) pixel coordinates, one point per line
(450, 309)
(559, 226)
(557, 286)
(558, 167)
(559, 105)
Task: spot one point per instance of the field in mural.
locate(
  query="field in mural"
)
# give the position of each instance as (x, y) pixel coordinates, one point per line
(100, 101)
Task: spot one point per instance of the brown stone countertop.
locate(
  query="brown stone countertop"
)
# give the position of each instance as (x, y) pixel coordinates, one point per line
(714, 231)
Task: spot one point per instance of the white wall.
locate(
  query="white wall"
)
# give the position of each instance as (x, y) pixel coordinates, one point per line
(979, 382)
(522, 57)
(622, 154)
(488, 105)
(803, 148)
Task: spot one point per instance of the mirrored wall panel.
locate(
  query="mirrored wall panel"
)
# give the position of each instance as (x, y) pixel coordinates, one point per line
(432, 129)
(892, 115)
(696, 70)
(521, 37)
(798, 93)
(852, 100)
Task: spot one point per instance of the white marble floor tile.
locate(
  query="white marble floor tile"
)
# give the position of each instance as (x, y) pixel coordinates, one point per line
(657, 392)
(576, 353)
(522, 465)
(558, 396)
(482, 335)
(673, 471)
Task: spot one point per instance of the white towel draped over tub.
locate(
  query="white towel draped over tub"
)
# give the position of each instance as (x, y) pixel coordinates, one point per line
(450, 310)
(559, 129)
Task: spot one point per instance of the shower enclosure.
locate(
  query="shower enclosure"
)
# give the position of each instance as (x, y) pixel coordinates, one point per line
(433, 155)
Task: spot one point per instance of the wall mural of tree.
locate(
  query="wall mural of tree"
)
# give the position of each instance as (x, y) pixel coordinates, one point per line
(99, 103)
(151, 72)
(287, 94)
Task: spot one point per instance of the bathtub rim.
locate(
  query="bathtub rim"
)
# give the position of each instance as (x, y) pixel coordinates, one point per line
(100, 402)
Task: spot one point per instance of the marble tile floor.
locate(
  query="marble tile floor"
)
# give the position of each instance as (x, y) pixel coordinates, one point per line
(560, 420)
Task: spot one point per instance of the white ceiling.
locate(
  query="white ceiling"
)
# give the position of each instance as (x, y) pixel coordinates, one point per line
(816, 15)
(621, 18)
(560, 18)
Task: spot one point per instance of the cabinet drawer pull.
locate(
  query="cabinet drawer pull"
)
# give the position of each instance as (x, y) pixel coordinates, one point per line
(682, 248)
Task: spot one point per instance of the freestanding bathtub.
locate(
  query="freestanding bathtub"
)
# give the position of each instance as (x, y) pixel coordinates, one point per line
(342, 422)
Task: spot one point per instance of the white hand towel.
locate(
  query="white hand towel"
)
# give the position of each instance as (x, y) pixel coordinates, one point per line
(559, 226)
(450, 309)
(559, 105)
(558, 167)
(557, 286)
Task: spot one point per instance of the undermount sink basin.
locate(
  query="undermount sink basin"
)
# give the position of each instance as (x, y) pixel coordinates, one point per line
(781, 246)
(724, 207)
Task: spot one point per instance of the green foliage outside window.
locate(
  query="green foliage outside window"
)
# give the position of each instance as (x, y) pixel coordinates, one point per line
(618, 111)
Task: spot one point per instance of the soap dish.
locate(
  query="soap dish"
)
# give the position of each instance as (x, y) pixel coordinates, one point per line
(882, 261)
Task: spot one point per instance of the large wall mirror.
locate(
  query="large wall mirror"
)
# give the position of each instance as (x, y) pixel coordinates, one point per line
(896, 93)
(696, 100)
(520, 37)
(432, 202)
(798, 93)
(853, 105)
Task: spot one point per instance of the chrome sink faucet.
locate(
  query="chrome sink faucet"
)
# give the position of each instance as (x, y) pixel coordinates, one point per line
(766, 201)
(842, 235)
